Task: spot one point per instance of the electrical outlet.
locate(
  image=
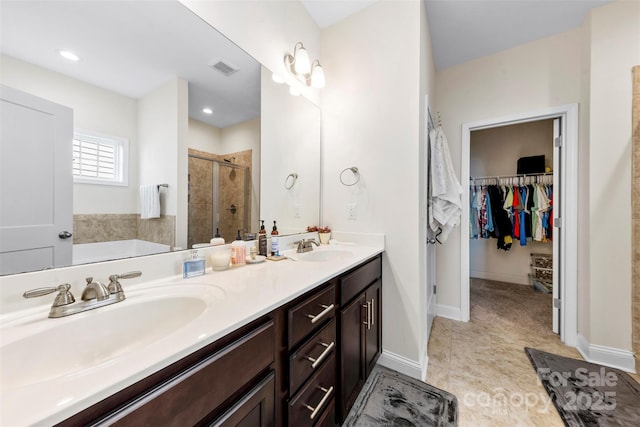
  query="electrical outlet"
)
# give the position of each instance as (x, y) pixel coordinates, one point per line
(297, 211)
(352, 211)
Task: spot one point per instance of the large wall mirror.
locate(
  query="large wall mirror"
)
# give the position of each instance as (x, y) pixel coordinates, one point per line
(161, 133)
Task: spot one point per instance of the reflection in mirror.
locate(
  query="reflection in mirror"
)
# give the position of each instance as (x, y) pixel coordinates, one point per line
(146, 84)
(290, 158)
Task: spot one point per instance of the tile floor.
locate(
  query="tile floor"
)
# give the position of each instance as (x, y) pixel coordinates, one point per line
(483, 361)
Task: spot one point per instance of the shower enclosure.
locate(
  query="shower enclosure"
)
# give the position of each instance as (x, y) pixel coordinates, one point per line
(219, 197)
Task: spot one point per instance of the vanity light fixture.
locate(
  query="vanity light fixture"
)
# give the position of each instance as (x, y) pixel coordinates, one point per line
(207, 110)
(69, 55)
(277, 78)
(299, 64)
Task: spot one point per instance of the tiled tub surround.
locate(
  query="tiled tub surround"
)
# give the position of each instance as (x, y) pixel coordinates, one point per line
(92, 228)
(250, 292)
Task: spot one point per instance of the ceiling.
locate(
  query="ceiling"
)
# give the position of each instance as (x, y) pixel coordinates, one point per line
(132, 49)
(462, 30)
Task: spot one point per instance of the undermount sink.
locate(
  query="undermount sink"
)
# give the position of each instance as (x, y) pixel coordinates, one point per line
(70, 346)
(324, 255)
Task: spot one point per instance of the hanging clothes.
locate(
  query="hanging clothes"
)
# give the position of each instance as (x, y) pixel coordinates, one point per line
(511, 212)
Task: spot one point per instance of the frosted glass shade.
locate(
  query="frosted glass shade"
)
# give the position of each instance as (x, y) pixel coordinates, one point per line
(302, 64)
(317, 77)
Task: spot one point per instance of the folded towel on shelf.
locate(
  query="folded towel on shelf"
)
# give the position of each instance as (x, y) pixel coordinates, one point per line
(149, 201)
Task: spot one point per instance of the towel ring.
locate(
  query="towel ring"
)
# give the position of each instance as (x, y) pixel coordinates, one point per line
(354, 171)
(291, 178)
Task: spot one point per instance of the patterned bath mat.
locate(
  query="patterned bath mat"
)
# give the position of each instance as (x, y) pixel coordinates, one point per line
(587, 394)
(389, 398)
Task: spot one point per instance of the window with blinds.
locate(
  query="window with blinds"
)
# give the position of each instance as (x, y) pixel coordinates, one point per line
(99, 159)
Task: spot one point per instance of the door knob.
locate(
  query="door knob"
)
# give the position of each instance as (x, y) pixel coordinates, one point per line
(64, 234)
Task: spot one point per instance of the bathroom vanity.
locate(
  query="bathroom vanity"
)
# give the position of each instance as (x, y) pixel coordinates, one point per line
(278, 343)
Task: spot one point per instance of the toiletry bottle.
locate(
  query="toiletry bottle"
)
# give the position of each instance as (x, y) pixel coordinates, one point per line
(217, 240)
(275, 248)
(238, 251)
(262, 240)
(194, 266)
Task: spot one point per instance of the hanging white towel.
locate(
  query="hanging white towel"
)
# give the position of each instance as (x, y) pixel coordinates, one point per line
(149, 201)
(446, 191)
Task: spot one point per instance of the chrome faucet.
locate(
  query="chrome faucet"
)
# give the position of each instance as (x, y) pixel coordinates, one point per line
(94, 295)
(305, 245)
(94, 290)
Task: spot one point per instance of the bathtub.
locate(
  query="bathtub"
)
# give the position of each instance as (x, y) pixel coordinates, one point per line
(104, 251)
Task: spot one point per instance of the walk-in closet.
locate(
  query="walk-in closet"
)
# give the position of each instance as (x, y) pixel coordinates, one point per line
(511, 229)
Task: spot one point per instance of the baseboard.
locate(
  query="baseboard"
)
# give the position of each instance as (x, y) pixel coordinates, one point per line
(607, 356)
(448, 312)
(500, 277)
(401, 364)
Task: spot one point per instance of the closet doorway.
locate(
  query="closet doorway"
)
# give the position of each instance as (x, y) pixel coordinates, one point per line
(562, 142)
(511, 221)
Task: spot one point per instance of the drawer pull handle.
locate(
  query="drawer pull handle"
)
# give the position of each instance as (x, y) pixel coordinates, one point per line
(325, 353)
(368, 307)
(373, 311)
(327, 394)
(327, 310)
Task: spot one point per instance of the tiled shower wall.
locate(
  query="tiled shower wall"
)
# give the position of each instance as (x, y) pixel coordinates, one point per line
(91, 228)
(636, 214)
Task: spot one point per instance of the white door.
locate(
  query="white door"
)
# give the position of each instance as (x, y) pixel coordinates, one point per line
(36, 183)
(557, 221)
(430, 238)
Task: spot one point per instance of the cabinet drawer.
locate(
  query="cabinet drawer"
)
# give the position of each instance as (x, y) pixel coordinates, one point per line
(310, 314)
(310, 357)
(311, 402)
(188, 397)
(355, 282)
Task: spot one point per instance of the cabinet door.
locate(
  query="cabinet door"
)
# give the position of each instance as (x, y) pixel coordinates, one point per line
(352, 369)
(373, 328)
(255, 409)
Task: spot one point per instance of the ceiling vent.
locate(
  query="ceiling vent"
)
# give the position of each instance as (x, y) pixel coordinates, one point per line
(224, 66)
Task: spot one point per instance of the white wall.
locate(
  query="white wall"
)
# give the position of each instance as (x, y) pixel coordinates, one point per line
(371, 119)
(615, 49)
(205, 137)
(529, 77)
(162, 136)
(290, 130)
(94, 109)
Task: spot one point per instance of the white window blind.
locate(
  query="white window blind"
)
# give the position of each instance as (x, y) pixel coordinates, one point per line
(99, 159)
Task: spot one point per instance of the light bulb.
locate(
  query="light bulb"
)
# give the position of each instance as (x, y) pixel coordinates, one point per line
(302, 64)
(276, 78)
(317, 76)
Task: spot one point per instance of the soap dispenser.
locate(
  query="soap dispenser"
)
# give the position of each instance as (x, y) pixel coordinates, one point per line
(238, 251)
(217, 240)
(275, 247)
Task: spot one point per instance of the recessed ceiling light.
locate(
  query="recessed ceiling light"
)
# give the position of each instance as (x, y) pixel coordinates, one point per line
(69, 55)
(207, 110)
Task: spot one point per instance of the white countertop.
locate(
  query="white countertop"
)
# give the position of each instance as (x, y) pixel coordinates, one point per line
(240, 295)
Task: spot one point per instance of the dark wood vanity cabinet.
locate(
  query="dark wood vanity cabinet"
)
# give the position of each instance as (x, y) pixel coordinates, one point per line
(301, 365)
(312, 359)
(360, 326)
(228, 383)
